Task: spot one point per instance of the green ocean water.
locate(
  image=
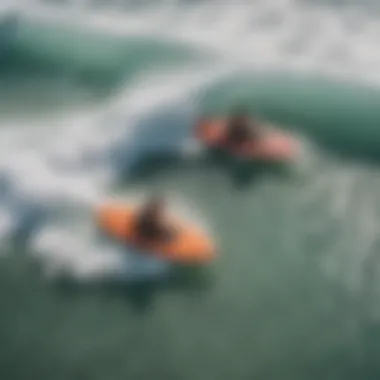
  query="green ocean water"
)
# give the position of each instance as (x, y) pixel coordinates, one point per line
(293, 294)
(71, 69)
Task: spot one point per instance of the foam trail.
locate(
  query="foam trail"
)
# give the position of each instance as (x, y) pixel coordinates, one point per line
(74, 260)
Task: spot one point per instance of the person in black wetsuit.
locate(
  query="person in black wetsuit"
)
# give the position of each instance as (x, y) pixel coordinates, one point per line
(241, 129)
(150, 224)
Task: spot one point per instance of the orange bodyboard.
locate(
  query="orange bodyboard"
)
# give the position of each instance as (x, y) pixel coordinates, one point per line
(272, 146)
(189, 245)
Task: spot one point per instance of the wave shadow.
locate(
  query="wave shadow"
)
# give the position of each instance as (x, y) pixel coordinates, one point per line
(245, 173)
(242, 173)
(141, 294)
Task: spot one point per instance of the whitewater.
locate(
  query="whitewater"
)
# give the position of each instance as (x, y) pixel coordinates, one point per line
(62, 167)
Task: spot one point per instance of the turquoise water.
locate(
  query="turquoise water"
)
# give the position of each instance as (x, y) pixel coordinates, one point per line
(294, 291)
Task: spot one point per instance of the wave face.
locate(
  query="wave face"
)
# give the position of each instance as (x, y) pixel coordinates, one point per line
(122, 83)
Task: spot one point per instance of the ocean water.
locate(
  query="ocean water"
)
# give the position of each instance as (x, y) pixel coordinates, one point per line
(97, 101)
